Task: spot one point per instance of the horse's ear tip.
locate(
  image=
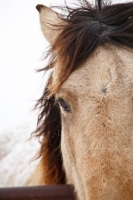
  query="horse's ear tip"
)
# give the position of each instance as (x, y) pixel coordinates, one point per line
(39, 7)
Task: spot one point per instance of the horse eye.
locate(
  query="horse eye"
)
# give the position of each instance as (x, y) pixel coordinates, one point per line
(65, 106)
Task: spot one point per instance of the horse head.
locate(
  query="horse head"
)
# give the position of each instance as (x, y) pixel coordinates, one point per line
(86, 110)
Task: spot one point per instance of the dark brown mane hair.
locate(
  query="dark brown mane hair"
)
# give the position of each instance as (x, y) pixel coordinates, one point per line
(86, 28)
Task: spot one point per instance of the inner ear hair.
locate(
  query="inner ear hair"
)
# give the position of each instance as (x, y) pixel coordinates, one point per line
(51, 23)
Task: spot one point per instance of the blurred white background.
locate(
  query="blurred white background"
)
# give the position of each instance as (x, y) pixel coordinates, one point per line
(21, 48)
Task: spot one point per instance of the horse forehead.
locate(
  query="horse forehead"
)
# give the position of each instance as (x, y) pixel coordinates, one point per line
(106, 66)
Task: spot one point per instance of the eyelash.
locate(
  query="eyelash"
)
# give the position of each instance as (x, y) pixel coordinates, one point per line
(64, 105)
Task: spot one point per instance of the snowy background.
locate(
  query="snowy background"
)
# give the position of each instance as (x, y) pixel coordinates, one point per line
(21, 48)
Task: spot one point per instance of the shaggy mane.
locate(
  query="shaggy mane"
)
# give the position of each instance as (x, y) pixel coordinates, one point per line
(87, 27)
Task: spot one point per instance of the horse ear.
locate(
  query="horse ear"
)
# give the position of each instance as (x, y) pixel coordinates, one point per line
(50, 23)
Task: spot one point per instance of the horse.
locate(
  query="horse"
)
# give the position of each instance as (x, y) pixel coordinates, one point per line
(85, 122)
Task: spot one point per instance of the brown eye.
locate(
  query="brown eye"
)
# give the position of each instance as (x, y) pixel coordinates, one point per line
(65, 106)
